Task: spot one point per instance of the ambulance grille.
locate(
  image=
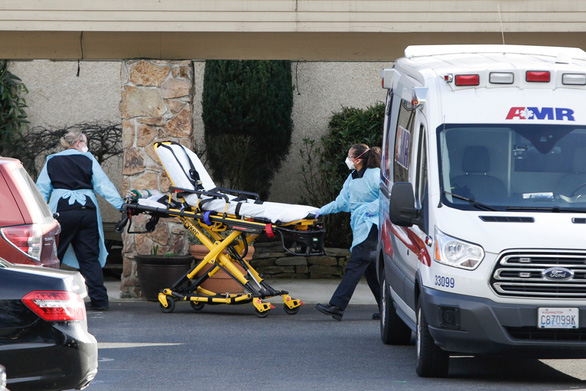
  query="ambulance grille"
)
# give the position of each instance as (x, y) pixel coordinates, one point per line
(540, 274)
(535, 334)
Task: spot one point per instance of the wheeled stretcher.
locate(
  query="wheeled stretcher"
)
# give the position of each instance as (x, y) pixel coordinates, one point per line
(226, 222)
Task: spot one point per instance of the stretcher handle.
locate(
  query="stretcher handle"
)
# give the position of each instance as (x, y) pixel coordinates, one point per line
(122, 223)
(199, 192)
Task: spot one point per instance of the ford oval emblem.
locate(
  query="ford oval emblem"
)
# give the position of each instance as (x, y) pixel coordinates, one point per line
(557, 273)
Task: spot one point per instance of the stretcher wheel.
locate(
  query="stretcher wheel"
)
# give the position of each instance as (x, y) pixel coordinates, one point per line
(171, 305)
(262, 314)
(197, 306)
(291, 311)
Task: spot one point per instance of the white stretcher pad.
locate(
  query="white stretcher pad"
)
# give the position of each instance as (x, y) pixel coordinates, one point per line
(178, 161)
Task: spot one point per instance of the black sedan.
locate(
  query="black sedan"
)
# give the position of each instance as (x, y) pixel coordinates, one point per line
(44, 340)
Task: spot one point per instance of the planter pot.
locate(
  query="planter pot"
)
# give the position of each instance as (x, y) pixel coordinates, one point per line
(159, 272)
(221, 282)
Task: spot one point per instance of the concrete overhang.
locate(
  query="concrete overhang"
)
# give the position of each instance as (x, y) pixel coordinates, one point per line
(345, 30)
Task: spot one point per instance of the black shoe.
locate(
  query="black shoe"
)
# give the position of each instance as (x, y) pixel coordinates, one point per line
(91, 307)
(328, 309)
(376, 316)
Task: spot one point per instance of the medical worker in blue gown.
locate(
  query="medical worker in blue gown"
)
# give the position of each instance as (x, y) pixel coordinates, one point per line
(71, 178)
(359, 196)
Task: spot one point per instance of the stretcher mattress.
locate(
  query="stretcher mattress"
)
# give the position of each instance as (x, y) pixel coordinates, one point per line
(178, 161)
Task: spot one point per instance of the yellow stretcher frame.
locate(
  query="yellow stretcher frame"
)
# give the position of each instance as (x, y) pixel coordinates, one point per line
(224, 252)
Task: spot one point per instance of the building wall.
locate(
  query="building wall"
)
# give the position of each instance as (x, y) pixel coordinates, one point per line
(58, 97)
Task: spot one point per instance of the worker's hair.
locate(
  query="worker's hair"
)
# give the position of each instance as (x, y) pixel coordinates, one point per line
(70, 138)
(371, 155)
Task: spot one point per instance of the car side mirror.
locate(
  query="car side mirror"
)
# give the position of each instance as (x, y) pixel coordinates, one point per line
(402, 209)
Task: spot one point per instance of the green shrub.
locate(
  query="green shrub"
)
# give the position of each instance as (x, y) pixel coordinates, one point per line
(12, 104)
(324, 170)
(247, 116)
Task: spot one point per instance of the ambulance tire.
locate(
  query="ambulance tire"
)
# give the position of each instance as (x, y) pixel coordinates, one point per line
(432, 361)
(393, 331)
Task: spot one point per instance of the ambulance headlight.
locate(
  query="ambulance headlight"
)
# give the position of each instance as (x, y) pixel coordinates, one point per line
(457, 253)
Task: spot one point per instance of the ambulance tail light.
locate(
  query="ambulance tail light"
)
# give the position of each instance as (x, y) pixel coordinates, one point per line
(538, 76)
(574, 79)
(467, 80)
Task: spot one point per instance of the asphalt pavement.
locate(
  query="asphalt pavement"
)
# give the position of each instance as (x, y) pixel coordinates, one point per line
(310, 291)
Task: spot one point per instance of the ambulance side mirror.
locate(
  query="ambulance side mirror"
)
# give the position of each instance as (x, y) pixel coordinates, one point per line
(402, 209)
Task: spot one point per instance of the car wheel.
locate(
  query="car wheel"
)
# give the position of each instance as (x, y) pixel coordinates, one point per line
(393, 331)
(432, 361)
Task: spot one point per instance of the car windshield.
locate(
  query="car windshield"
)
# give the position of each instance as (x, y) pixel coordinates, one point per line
(513, 167)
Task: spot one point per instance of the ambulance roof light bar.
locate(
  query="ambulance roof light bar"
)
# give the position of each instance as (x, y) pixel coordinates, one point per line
(467, 80)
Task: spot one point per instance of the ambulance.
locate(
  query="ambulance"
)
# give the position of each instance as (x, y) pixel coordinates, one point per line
(482, 247)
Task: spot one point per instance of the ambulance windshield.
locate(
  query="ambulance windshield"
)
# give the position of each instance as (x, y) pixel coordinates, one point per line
(513, 167)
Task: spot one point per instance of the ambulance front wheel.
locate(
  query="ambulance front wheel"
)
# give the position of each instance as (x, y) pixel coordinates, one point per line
(432, 361)
(170, 305)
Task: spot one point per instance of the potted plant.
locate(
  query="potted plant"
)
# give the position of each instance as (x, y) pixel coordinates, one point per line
(158, 271)
(221, 282)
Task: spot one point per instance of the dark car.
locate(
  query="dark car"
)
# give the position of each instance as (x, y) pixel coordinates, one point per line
(28, 231)
(44, 340)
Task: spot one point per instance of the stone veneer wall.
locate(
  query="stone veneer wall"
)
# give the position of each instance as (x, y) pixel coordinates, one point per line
(272, 261)
(156, 105)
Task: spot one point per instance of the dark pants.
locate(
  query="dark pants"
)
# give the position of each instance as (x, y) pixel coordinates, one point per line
(359, 265)
(79, 227)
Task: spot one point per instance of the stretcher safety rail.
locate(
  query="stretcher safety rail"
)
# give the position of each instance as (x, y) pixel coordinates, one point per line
(226, 221)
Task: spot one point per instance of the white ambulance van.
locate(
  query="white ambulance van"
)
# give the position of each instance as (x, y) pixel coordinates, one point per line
(482, 246)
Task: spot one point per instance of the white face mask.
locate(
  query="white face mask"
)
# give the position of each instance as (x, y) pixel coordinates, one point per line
(84, 149)
(350, 164)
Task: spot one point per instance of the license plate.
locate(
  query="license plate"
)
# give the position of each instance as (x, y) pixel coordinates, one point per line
(558, 318)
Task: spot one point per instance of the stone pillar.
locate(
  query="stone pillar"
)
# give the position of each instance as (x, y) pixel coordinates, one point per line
(157, 105)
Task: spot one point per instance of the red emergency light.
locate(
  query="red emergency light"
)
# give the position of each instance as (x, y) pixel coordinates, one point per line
(467, 80)
(538, 76)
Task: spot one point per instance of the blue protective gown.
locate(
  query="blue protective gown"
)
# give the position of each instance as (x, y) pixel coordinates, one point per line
(359, 197)
(101, 184)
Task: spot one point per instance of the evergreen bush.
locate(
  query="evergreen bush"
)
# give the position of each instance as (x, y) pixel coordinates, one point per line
(12, 104)
(324, 170)
(247, 117)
